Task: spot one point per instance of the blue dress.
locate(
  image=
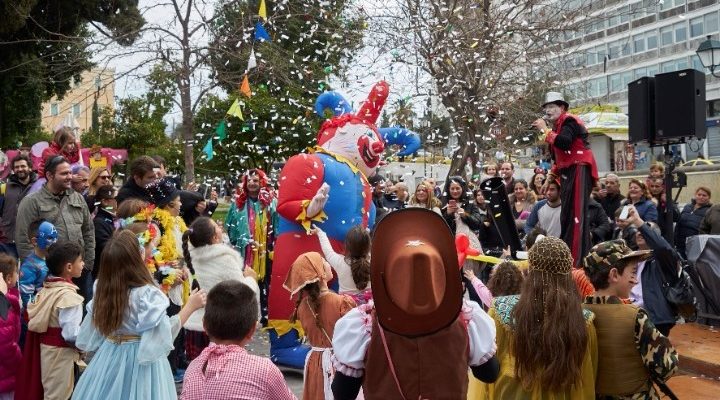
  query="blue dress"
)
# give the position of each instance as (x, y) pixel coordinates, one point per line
(135, 369)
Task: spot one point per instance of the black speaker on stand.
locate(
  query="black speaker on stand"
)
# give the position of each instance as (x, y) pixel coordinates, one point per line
(680, 105)
(641, 110)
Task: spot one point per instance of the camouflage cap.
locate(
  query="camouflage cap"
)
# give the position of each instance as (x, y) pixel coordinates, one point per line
(609, 254)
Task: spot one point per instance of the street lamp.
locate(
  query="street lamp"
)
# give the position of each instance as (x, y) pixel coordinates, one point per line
(709, 53)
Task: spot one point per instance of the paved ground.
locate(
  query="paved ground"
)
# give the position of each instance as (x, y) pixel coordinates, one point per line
(699, 348)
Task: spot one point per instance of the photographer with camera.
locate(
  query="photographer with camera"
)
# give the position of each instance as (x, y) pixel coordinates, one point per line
(661, 270)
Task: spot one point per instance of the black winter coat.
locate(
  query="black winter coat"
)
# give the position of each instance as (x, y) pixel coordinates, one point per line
(104, 227)
(599, 224)
(688, 224)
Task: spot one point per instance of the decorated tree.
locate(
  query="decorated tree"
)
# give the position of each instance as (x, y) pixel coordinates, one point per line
(274, 58)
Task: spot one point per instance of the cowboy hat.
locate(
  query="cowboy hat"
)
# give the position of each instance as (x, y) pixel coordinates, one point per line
(415, 276)
(555, 98)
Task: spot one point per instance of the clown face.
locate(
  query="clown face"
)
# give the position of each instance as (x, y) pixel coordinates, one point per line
(359, 143)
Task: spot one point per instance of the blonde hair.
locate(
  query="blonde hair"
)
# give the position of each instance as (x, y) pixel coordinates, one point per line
(431, 202)
(92, 179)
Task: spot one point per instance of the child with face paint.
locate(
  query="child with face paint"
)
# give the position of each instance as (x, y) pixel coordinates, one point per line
(33, 269)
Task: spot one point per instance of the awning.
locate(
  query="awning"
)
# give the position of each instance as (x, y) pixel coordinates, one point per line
(614, 136)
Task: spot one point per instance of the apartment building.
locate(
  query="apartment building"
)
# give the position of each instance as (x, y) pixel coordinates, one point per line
(626, 40)
(96, 85)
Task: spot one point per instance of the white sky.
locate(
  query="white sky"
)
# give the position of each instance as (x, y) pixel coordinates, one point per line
(131, 64)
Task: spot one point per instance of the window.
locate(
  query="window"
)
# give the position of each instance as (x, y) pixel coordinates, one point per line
(614, 49)
(666, 4)
(591, 57)
(696, 27)
(682, 64)
(615, 83)
(602, 86)
(639, 73)
(76, 110)
(614, 20)
(680, 32)
(626, 78)
(666, 36)
(625, 48)
(651, 40)
(54, 109)
(652, 70)
(667, 66)
(638, 43)
(711, 22)
(98, 82)
(697, 64)
(624, 14)
(601, 53)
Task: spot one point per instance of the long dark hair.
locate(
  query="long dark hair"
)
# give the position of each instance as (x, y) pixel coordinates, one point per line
(200, 233)
(550, 333)
(463, 195)
(357, 255)
(121, 269)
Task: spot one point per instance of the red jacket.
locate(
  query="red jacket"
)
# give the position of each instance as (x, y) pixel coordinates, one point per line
(10, 355)
(578, 153)
(54, 150)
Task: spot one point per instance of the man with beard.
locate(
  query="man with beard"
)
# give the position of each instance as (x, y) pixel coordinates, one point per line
(507, 170)
(16, 188)
(57, 203)
(251, 224)
(574, 169)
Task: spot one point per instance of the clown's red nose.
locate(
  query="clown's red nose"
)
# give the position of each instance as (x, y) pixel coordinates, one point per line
(377, 148)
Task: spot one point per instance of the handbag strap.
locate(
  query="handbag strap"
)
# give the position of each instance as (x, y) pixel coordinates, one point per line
(390, 362)
(316, 319)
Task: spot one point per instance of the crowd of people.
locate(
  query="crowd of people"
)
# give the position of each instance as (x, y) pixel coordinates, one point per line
(124, 292)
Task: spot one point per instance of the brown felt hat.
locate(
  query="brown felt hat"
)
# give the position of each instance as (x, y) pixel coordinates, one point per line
(415, 276)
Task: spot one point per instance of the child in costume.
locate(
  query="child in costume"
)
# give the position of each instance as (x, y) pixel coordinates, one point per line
(225, 370)
(505, 280)
(10, 355)
(175, 279)
(128, 329)
(50, 355)
(418, 337)
(546, 342)
(211, 261)
(33, 269)
(626, 336)
(353, 268)
(318, 309)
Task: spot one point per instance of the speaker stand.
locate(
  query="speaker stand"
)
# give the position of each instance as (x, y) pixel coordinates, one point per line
(668, 209)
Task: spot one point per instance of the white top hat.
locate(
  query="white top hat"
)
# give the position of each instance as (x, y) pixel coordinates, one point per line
(555, 98)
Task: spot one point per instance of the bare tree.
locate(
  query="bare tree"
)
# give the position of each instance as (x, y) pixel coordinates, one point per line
(489, 61)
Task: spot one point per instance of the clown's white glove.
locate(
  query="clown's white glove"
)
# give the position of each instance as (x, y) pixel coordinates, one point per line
(318, 202)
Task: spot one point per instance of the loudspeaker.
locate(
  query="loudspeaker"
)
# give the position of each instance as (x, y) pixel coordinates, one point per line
(680, 105)
(641, 110)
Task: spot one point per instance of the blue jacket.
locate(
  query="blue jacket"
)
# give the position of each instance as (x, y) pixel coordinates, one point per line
(659, 269)
(646, 209)
(33, 272)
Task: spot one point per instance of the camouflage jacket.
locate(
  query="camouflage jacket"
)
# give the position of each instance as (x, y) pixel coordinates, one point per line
(658, 354)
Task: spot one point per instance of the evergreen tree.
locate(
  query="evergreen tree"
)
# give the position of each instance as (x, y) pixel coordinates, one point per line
(44, 44)
(310, 40)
